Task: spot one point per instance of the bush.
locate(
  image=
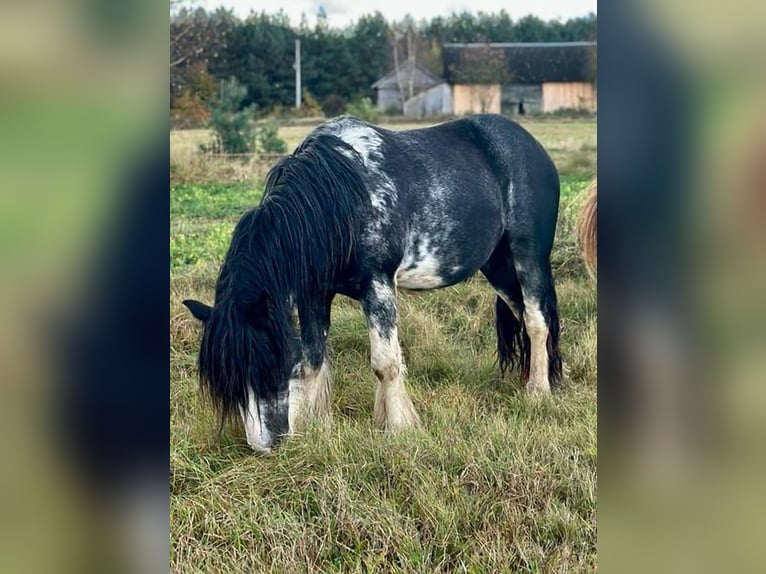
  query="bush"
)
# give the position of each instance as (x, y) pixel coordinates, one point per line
(364, 109)
(232, 125)
(310, 107)
(393, 110)
(333, 105)
(188, 110)
(267, 139)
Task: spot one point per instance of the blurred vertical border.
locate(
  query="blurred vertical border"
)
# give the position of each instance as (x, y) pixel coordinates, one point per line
(682, 215)
(84, 222)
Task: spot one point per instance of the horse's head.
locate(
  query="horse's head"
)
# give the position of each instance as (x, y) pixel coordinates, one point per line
(245, 361)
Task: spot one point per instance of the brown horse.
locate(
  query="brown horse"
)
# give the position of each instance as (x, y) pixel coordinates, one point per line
(587, 230)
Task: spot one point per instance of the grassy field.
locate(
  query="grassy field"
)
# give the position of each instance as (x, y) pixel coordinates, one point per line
(493, 482)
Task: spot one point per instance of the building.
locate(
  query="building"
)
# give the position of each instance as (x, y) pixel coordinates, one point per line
(512, 78)
(389, 88)
(533, 77)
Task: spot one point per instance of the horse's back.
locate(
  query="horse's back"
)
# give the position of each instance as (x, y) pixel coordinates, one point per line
(494, 159)
(444, 196)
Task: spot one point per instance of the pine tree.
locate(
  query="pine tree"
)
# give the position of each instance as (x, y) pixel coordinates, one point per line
(232, 125)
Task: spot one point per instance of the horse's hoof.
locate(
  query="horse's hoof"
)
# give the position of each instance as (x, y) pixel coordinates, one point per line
(538, 390)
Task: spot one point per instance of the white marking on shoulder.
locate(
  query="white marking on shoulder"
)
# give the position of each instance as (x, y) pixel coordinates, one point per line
(367, 142)
(364, 139)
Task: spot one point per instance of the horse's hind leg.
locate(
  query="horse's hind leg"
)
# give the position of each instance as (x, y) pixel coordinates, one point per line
(512, 338)
(541, 318)
(526, 314)
(393, 408)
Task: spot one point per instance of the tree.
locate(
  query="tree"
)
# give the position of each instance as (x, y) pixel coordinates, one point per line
(197, 38)
(191, 107)
(328, 64)
(260, 55)
(258, 50)
(232, 124)
(533, 29)
(368, 46)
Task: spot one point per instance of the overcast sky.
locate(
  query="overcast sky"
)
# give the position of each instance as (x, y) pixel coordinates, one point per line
(343, 12)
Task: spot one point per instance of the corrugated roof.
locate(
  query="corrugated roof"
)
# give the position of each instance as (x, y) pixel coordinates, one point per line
(530, 63)
(389, 80)
(518, 44)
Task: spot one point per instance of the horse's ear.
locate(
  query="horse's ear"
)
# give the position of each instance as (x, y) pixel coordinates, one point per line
(198, 309)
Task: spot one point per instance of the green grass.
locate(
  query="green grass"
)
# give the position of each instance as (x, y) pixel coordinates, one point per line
(493, 482)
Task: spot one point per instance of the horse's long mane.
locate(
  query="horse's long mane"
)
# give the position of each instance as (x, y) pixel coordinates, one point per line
(587, 229)
(288, 249)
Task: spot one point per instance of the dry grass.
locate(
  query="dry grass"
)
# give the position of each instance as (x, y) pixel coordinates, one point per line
(571, 144)
(492, 483)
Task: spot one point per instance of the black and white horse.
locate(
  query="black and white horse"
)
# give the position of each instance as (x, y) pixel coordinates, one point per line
(361, 210)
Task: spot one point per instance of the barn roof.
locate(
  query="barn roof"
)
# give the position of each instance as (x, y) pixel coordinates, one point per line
(423, 76)
(530, 63)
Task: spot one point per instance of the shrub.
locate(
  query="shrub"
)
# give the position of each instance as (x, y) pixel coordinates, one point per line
(277, 111)
(333, 105)
(310, 107)
(232, 125)
(364, 109)
(267, 139)
(393, 110)
(188, 110)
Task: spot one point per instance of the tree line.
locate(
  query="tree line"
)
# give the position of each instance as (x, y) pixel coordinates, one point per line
(337, 65)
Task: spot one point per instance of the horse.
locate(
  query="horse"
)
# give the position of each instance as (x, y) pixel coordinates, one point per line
(587, 229)
(360, 210)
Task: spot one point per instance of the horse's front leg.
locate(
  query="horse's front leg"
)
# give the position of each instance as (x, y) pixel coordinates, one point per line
(311, 379)
(393, 408)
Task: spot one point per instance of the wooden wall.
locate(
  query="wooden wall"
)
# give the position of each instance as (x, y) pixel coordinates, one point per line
(577, 95)
(475, 99)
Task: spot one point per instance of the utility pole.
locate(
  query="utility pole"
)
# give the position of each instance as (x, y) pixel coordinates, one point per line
(297, 73)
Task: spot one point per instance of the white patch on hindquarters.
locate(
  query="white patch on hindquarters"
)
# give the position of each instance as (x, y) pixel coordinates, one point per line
(420, 266)
(258, 436)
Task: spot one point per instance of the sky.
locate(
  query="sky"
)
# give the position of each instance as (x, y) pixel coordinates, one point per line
(343, 12)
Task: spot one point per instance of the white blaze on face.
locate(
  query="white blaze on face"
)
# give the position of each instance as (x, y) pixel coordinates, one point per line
(258, 436)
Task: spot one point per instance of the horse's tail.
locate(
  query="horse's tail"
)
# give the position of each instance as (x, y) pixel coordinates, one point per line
(551, 312)
(586, 230)
(512, 340)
